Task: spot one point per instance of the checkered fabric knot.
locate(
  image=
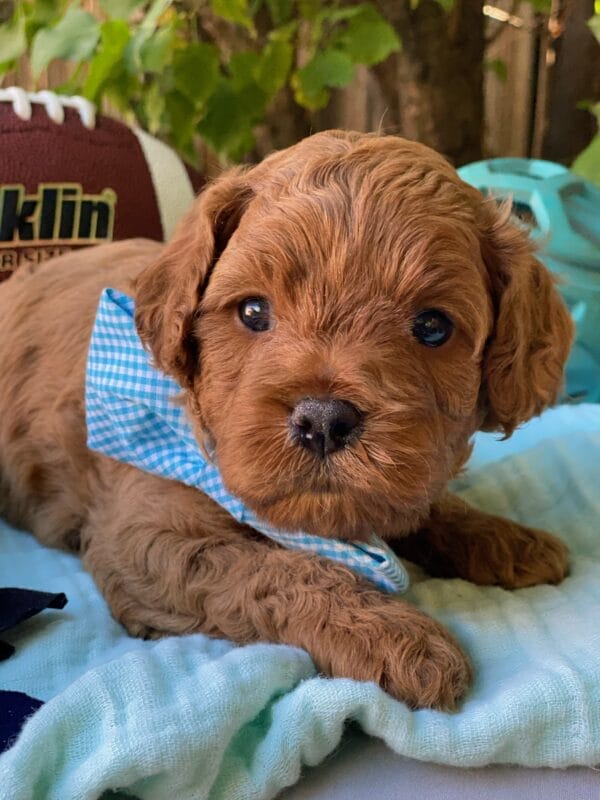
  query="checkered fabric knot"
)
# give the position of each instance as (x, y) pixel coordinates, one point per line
(131, 417)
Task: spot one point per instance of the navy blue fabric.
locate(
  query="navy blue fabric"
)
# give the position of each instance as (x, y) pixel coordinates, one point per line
(17, 605)
(15, 708)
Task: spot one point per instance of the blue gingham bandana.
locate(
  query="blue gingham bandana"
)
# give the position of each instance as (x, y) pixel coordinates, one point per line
(131, 417)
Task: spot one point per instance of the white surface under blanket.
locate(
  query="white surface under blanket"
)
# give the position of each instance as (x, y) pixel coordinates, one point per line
(193, 718)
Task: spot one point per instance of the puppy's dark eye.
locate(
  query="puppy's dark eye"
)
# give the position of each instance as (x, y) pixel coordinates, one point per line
(255, 313)
(432, 327)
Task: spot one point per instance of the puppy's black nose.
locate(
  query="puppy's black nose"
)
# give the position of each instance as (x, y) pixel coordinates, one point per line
(324, 426)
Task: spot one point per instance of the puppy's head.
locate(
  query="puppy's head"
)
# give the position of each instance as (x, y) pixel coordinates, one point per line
(343, 317)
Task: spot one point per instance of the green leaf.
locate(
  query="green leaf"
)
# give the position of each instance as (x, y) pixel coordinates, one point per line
(13, 42)
(313, 101)
(587, 163)
(271, 73)
(154, 106)
(145, 31)
(331, 68)
(120, 91)
(594, 25)
(309, 9)
(114, 36)
(448, 5)
(241, 68)
(284, 33)
(41, 14)
(181, 114)
(157, 52)
(368, 38)
(74, 38)
(280, 11)
(335, 14)
(541, 6)
(180, 118)
(120, 9)
(155, 12)
(498, 67)
(230, 118)
(330, 18)
(234, 11)
(196, 71)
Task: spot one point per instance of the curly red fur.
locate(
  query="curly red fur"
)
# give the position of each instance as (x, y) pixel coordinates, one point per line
(349, 237)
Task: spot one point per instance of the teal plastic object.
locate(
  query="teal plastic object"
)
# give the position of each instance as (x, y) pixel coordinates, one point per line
(562, 214)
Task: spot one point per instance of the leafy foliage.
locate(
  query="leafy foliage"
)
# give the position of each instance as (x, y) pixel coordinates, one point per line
(541, 6)
(158, 66)
(13, 42)
(587, 163)
(74, 37)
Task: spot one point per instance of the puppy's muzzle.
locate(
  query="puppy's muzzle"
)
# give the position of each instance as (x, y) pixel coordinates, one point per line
(325, 426)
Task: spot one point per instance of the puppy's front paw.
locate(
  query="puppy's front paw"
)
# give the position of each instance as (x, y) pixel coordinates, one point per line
(410, 655)
(458, 541)
(427, 669)
(537, 557)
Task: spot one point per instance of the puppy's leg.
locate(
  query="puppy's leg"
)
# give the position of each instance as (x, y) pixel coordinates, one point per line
(169, 561)
(460, 541)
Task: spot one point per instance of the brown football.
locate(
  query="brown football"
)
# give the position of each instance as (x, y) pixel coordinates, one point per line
(70, 178)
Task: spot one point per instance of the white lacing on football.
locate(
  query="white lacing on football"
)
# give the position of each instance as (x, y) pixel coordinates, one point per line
(54, 104)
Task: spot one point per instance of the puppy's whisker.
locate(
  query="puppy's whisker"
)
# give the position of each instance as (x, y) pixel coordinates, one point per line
(383, 460)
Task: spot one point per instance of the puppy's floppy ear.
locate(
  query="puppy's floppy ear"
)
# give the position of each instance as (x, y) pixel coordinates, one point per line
(168, 292)
(525, 357)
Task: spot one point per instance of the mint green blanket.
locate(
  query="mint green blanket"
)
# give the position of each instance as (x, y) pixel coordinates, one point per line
(193, 718)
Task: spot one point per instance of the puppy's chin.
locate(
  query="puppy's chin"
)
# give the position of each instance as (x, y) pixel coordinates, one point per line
(355, 494)
(384, 483)
(337, 514)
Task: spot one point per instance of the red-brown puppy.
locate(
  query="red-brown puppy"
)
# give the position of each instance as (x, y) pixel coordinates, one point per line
(351, 283)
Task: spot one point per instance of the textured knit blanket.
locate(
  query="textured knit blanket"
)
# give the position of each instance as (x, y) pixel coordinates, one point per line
(190, 717)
